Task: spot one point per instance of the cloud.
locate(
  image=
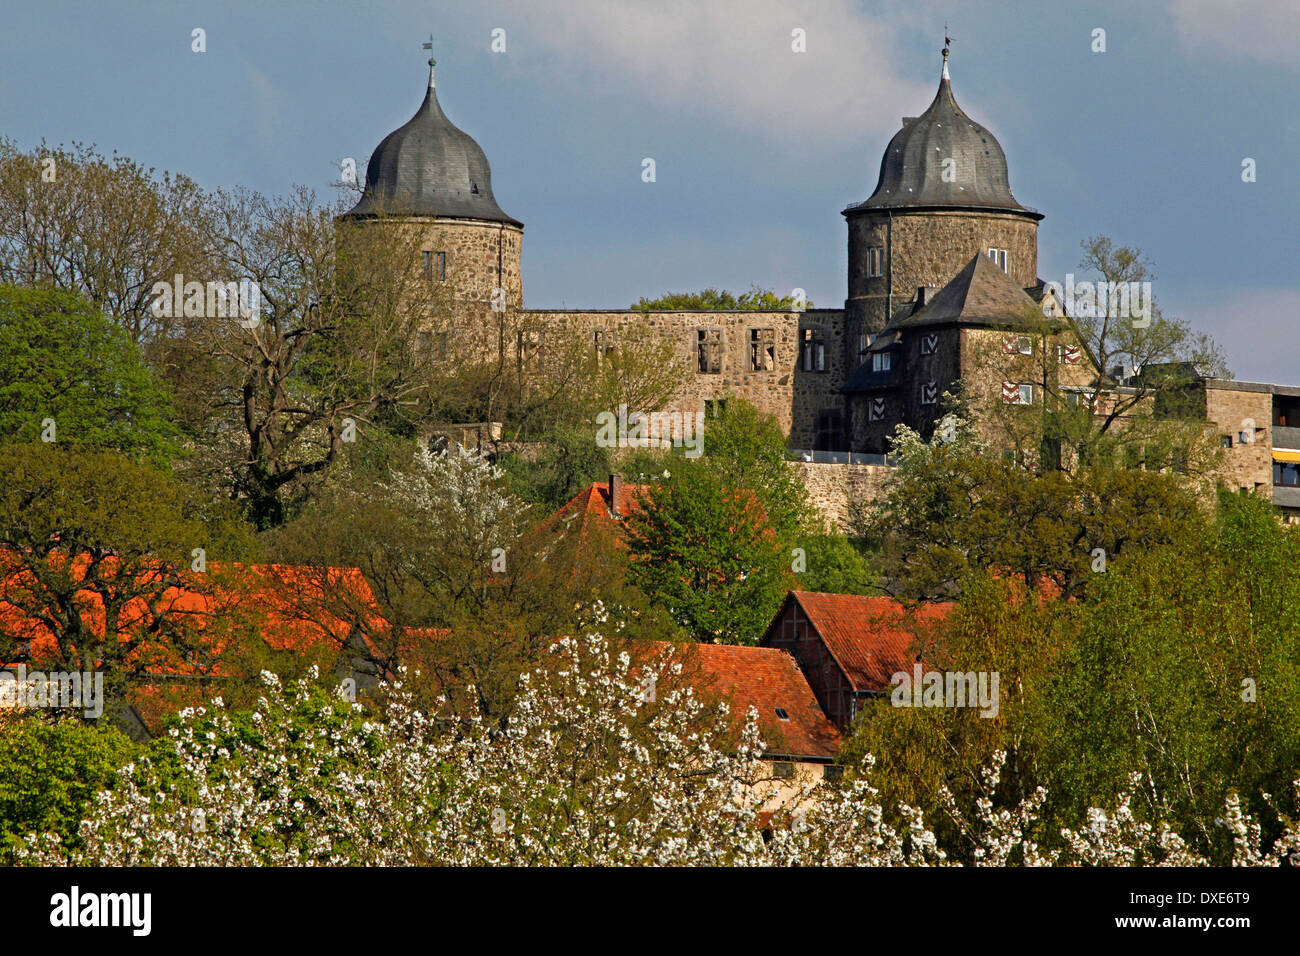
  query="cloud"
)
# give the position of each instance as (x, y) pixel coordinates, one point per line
(1263, 29)
(732, 63)
(1259, 330)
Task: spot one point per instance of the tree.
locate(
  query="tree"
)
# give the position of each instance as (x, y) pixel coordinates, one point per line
(711, 300)
(1129, 397)
(103, 229)
(705, 549)
(591, 771)
(50, 774)
(954, 505)
(272, 399)
(475, 589)
(69, 374)
(1185, 673)
(92, 546)
(746, 448)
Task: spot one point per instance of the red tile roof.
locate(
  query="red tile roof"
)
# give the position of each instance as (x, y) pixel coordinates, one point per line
(766, 679)
(590, 508)
(871, 638)
(290, 608)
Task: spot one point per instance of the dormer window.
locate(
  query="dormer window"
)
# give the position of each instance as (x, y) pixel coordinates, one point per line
(880, 362)
(999, 257)
(782, 714)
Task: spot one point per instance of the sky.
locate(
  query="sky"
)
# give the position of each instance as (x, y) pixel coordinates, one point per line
(757, 148)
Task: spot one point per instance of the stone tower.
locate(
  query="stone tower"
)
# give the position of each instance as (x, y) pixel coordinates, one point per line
(942, 196)
(433, 176)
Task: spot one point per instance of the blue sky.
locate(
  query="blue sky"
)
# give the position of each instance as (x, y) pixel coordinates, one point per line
(757, 148)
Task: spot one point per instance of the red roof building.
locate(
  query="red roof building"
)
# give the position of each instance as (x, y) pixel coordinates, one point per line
(597, 507)
(185, 634)
(849, 645)
(792, 725)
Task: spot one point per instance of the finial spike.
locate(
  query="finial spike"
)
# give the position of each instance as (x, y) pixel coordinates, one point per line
(428, 45)
(947, 42)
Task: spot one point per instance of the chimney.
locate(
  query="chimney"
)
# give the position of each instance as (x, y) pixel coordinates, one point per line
(615, 486)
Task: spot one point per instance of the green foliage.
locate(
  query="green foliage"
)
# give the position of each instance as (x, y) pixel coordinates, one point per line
(50, 773)
(953, 507)
(568, 462)
(1178, 666)
(718, 300)
(79, 523)
(1186, 670)
(61, 358)
(704, 549)
(745, 448)
(834, 565)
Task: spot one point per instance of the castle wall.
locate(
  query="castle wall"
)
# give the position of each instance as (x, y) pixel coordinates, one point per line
(836, 490)
(780, 386)
(481, 256)
(1235, 407)
(929, 248)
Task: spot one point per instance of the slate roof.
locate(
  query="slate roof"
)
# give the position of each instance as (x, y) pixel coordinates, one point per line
(911, 170)
(980, 295)
(871, 638)
(429, 167)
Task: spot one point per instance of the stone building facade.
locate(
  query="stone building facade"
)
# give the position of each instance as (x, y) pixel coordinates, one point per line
(941, 274)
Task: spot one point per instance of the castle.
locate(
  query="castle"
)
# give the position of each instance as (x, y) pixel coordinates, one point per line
(942, 270)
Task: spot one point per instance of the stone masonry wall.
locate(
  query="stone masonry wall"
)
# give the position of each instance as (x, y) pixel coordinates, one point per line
(481, 257)
(837, 489)
(781, 387)
(929, 248)
(1234, 408)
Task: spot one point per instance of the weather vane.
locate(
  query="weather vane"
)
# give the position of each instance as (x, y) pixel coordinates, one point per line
(429, 46)
(947, 40)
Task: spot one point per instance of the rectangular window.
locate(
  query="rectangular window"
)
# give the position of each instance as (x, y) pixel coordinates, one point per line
(1025, 345)
(1226, 440)
(1016, 394)
(864, 340)
(880, 362)
(431, 345)
(435, 265)
(762, 350)
(829, 435)
(999, 256)
(605, 342)
(876, 262)
(833, 773)
(813, 351)
(783, 770)
(708, 351)
(530, 344)
(715, 407)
